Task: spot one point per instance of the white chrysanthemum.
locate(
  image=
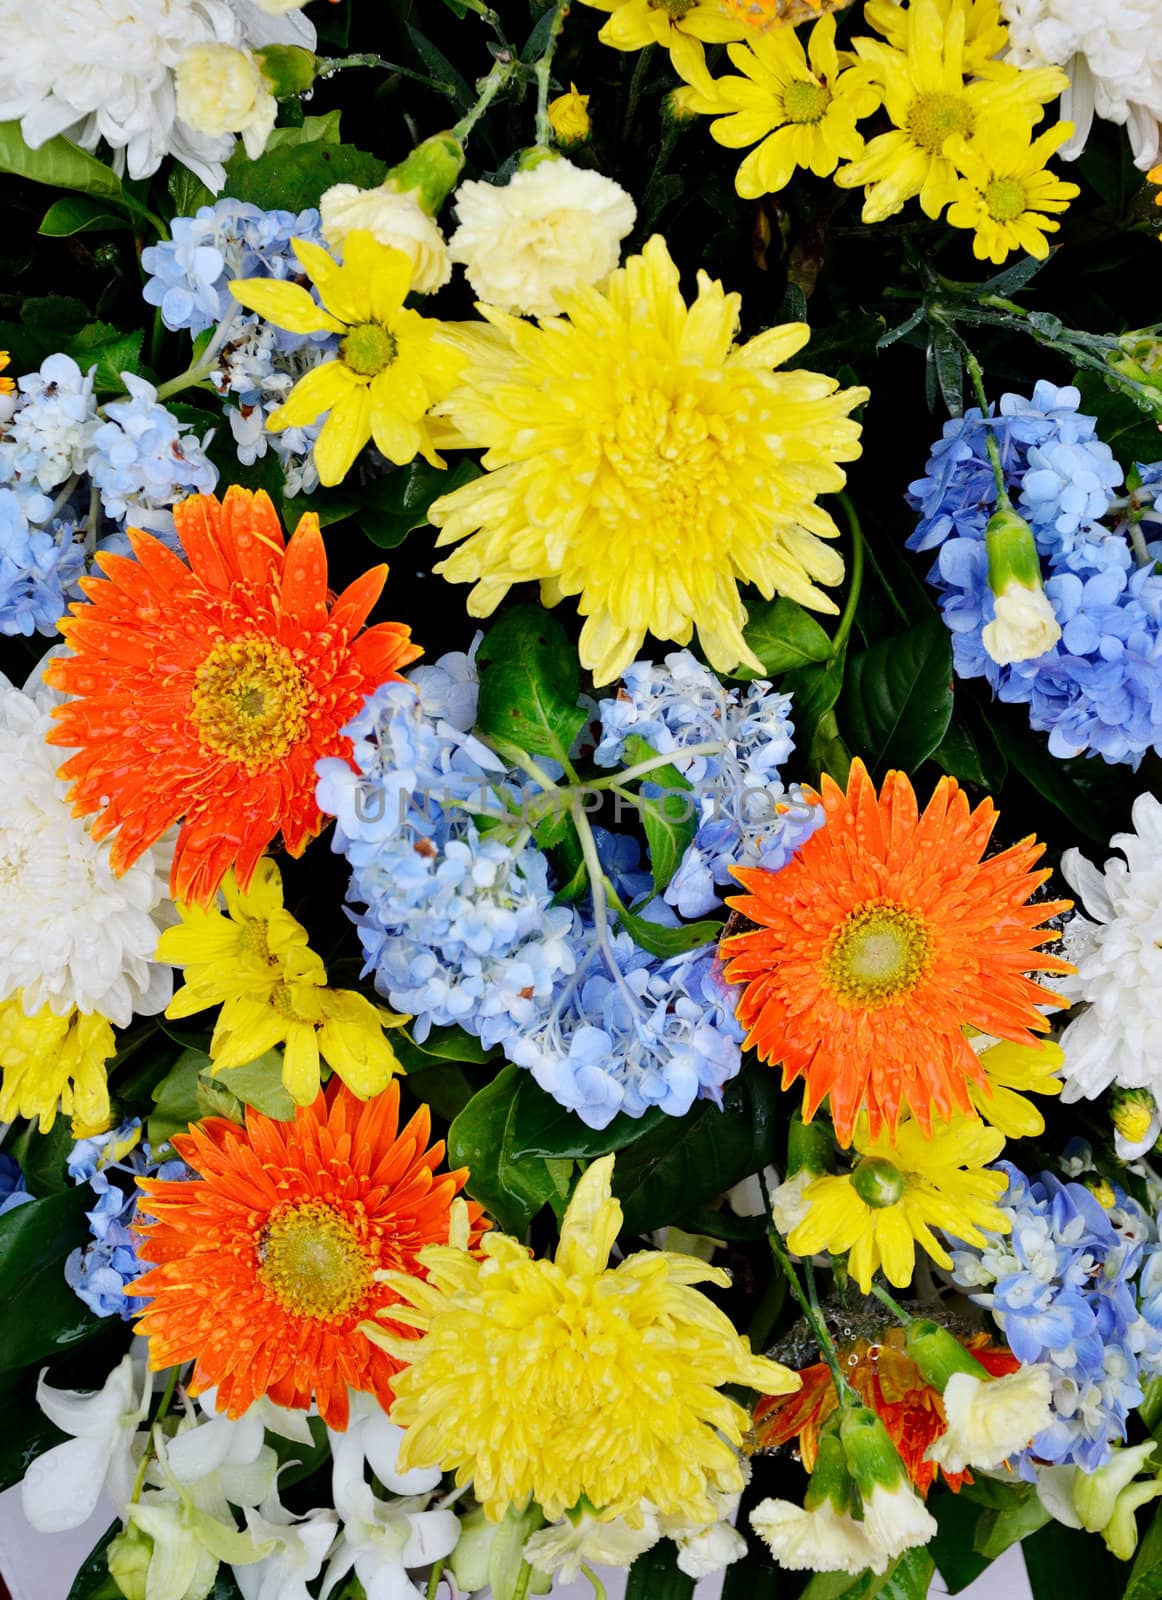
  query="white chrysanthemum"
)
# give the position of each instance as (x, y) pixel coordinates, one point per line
(394, 219)
(104, 69)
(1118, 1038)
(71, 932)
(991, 1419)
(1113, 55)
(551, 229)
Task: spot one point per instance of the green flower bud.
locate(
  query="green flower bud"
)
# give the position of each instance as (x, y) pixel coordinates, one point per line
(288, 68)
(535, 156)
(128, 1557)
(938, 1354)
(830, 1479)
(430, 171)
(810, 1146)
(872, 1458)
(1025, 625)
(877, 1182)
(468, 1562)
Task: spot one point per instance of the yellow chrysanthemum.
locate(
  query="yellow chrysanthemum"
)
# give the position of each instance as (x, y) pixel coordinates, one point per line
(897, 1193)
(554, 1380)
(49, 1061)
(799, 107)
(929, 102)
(1006, 191)
(682, 27)
(1015, 1070)
(643, 461)
(254, 961)
(392, 365)
(985, 34)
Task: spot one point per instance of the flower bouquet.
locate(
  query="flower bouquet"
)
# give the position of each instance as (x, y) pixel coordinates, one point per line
(635, 1041)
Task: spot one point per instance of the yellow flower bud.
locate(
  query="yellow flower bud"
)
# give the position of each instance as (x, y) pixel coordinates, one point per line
(569, 117)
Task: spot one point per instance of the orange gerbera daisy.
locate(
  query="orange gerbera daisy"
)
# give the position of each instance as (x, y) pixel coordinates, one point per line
(208, 691)
(887, 1379)
(267, 1266)
(879, 941)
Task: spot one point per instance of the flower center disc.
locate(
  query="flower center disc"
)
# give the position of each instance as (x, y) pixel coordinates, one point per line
(368, 348)
(1005, 199)
(313, 1262)
(932, 118)
(878, 953)
(250, 701)
(805, 102)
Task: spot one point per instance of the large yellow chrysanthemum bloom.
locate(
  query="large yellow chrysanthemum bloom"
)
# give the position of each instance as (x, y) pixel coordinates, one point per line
(640, 459)
(897, 1193)
(929, 102)
(392, 365)
(256, 963)
(799, 107)
(1015, 1070)
(48, 1061)
(1006, 191)
(553, 1380)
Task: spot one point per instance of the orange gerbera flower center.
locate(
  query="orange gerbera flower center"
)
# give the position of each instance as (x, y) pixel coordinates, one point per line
(879, 952)
(250, 700)
(314, 1262)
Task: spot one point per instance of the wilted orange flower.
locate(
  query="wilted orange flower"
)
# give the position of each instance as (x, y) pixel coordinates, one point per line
(887, 1379)
(207, 692)
(266, 1268)
(879, 941)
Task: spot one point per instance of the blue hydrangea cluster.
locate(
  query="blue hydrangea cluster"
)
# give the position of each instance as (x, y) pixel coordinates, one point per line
(1075, 1287)
(746, 816)
(143, 461)
(13, 1189)
(100, 1272)
(40, 563)
(1099, 689)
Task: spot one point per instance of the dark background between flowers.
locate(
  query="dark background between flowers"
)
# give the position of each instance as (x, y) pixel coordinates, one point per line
(805, 255)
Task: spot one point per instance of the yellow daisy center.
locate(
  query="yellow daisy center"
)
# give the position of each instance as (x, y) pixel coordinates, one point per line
(368, 348)
(250, 701)
(252, 941)
(877, 1182)
(1005, 199)
(313, 1261)
(282, 998)
(933, 118)
(877, 953)
(805, 102)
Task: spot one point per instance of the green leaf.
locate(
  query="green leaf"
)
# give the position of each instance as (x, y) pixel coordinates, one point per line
(1086, 791)
(662, 941)
(295, 177)
(34, 1242)
(323, 129)
(670, 820)
(175, 1098)
(394, 506)
(1065, 1561)
(957, 754)
(997, 1529)
(444, 1087)
(1145, 1580)
(93, 1582)
(688, 1160)
(442, 1044)
(655, 1575)
(258, 1084)
(816, 690)
(43, 1157)
(908, 1578)
(783, 636)
(512, 1191)
(541, 1126)
(27, 1431)
(958, 1563)
(529, 683)
(897, 699)
(57, 162)
(329, 505)
(187, 192)
(1150, 1409)
(112, 352)
(1130, 432)
(76, 214)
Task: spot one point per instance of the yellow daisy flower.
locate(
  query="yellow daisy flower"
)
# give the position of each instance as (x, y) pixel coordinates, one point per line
(897, 1193)
(1015, 1070)
(1006, 191)
(802, 105)
(255, 962)
(680, 26)
(985, 33)
(641, 460)
(48, 1061)
(7, 385)
(563, 1380)
(929, 102)
(392, 365)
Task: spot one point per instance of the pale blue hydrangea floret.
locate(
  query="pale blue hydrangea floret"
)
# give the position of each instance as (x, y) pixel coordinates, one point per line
(746, 816)
(49, 434)
(143, 462)
(39, 568)
(1099, 689)
(1063, 1287)
(13, 1189)
(100, 1272)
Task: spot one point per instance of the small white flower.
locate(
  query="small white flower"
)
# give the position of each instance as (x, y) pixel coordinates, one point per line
(1118, 1037)
(710, 1550)
(369, 1437)
(746, 1198)
(788, 1207)
(990, 1419)
(61, 1488)
(221, 90)
(566, 1546)
(394, 219)
(550, 230)
(822, 1540)
(384, 1539)
(1025, 626)
(301, 1547)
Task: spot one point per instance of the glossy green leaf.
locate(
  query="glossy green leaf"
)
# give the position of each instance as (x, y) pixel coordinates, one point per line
(511, 1190)
(958, 755)
(78, 214)
(310, 130)
(655, 1575)
(529, 683)
(669, 819)
(952, 1548)
(541, 1126)
(258, 1084)
(1145, 1579)
(392, 507)
(1002, 1526)
(816, 689)
(43, 1156)
(187, 192)
(1063, 1561)
(441, 1044)
(662, 941)
(57, 162)
(294, 177)
(908, 1578)
(110, 351)
(783, 636)
(897, 698)
(35, 1241)
(93, 1582)
(175, 1099)
(1131, 433)
(443, 1086)
(1089, 793)
(27, 1432)
(686, 1161)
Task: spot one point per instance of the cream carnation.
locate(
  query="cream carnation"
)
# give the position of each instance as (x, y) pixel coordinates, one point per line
(822, 1540)
(394, 219)
(1025, 626)
(72, 933)
(551, 229)
(222, 90)
(1113, 55)
(1118, 1038)
(991, 1419)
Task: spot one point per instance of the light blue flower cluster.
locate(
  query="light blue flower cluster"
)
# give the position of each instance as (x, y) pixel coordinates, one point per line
(13, 1189)
(1099, 688)
(40, 563)
(99, 1272)
(1064, 1287)
(144, 461)
(746, 816)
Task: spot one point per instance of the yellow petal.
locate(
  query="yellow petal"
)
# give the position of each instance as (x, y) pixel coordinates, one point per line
(287, 305)
(344, 434)
(300, 1063)
(318, 390)
(591, 1223)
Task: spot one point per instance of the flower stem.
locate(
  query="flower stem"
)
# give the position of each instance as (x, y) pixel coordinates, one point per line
(544, 68)
(811, 1312)
(436, 1574)
(976, 377)
(502, 70)
(147, 1453)
(598, 1586)
(892, 1304)
(520, 1588)
(205, 363)
(856, 581)
(636, 85)
(708, 747)
(328, 66)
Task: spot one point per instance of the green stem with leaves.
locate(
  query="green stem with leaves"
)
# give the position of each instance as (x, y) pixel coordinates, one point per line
(502, 71)
(855, 580)
(543, 71)
(162, 1413)
(893, 1305)
(808, 1305)
(329, 66)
